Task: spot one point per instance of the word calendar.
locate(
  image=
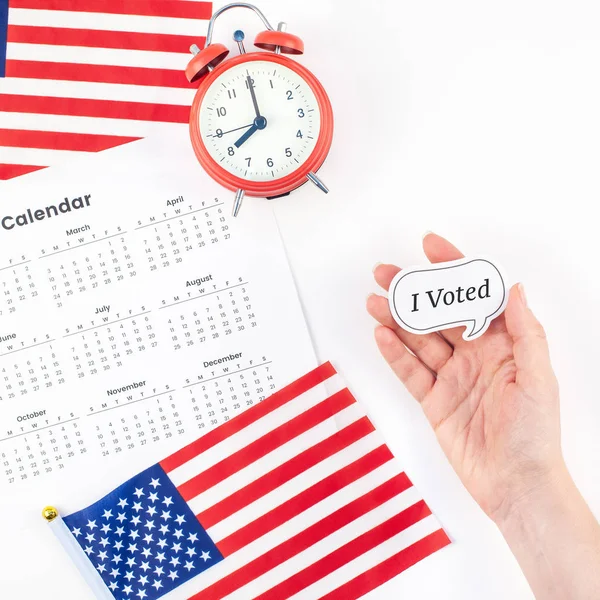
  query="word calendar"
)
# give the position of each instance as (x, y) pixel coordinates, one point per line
(134, 316)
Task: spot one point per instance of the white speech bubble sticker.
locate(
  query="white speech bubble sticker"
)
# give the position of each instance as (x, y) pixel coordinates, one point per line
(470, 292)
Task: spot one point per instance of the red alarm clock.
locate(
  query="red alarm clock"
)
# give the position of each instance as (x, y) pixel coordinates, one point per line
(261, 124)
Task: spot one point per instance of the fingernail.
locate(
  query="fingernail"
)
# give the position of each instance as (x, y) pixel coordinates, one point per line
(369, 295)
(376, 265)
(427, 233)
(522, 293)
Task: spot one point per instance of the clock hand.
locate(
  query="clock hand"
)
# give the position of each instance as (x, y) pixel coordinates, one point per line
(259, 123)
(253, 94)
(246, 135)
(232, 130)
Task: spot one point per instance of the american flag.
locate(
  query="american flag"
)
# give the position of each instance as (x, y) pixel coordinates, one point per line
(82, 76)
(296, 497)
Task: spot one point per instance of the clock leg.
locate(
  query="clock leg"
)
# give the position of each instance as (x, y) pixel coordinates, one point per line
(237, 202)
(313, 177)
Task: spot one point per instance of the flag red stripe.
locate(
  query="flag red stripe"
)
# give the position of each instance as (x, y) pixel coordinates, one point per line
(303, 501)
(292, 468)
(10, 171)
(303, 540)
(52, 140)
(266, 444)
(110, 109)
(283, 396)
(348, 552)
(383, 572)
(33, 69)
(150, 8)
(94, 38)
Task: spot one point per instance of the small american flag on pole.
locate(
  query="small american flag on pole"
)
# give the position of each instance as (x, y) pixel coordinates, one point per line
(82, 76)
(296, 497)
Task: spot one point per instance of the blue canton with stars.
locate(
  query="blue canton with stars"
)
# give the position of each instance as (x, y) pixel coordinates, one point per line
(143, 539)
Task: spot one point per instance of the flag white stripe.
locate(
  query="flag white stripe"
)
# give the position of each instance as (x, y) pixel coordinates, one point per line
(370, 559)
(97, 91)
(298, 484)
(298, 524)
(254, 431)
(323, 547)
(267, 463)
(107, 22)
(124, 127)
(294, 526)
(35, 156)
(97, 56)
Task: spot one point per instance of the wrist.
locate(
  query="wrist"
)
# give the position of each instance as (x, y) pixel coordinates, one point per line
(554, 536)
(544, 496)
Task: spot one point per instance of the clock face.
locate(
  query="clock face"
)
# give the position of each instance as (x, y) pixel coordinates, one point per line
(260, 120)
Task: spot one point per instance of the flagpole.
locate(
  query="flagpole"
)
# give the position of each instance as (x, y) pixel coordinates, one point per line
(76, 553)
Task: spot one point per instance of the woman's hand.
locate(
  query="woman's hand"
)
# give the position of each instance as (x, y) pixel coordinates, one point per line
(493, 402)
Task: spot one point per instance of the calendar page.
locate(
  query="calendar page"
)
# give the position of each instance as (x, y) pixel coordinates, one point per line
(135, 315)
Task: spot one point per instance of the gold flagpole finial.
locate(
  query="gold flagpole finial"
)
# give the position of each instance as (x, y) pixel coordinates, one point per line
(49, 513)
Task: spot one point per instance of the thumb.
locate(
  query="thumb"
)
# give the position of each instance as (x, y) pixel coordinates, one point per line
(530, 347)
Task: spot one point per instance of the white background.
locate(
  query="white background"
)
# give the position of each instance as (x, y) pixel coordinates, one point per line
(480, 121)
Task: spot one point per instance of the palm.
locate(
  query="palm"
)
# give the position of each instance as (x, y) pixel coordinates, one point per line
(469, 408)
(488, 418)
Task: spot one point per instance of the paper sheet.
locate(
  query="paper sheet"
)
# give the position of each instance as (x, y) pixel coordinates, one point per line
(134, 316)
